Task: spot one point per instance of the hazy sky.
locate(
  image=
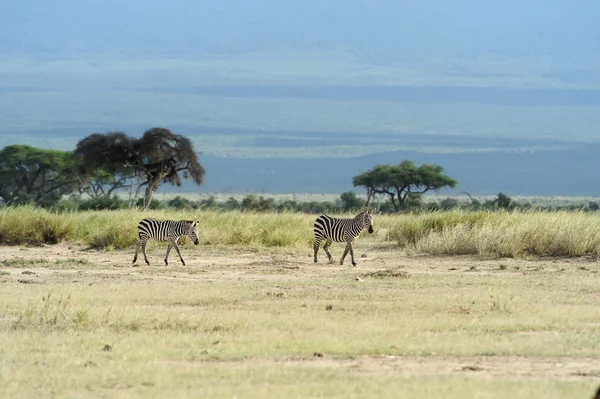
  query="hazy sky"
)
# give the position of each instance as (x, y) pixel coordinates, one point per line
(376, 30)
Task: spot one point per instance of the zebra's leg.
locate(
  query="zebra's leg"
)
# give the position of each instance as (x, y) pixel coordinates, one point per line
(326, 248)
(178, 252)
(348, 249)
(167, 255)
(137, 248)
(144, 252)
(352, 254)
(316, 247)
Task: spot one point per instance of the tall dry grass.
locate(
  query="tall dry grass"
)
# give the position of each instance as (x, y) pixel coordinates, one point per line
(506, 234)
(118, 229)
(498, 233)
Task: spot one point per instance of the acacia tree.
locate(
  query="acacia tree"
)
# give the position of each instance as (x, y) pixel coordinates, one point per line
(159, 156)
(403, 180)
(108, 161)
(33, 174)
(165, 157)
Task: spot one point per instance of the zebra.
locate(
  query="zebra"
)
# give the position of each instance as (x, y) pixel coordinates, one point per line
(341, 230)
(165, 230)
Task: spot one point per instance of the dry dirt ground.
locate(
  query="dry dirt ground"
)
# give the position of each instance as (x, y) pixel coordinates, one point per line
(228, 264)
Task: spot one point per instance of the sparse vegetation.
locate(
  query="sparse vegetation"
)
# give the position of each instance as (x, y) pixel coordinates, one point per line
(388, 273)
(147, 335)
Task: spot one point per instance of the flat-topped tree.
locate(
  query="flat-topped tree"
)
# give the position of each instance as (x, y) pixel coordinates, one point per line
(29, 174)
(400, 181)
(159, 156)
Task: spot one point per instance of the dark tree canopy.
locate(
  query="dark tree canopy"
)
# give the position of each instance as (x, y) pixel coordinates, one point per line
(112, 152)
(159, 156)
(38, 175)
(165, 154)
(403, 180)
(108, 162)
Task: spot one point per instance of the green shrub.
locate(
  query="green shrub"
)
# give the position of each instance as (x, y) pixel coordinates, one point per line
(102, 203)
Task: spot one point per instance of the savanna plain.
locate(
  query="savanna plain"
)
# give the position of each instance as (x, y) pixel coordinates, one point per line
(454, 305)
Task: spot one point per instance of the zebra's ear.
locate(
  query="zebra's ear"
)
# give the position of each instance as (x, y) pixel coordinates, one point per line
(195, 223)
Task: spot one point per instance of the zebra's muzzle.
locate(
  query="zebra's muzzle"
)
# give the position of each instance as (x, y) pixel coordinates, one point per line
(370, 230)
(196, 242)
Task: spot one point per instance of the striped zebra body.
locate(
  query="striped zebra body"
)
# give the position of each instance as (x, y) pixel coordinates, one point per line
(165, 230)
(333, 229)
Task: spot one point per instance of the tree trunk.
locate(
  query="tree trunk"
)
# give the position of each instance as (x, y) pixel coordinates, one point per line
(402, 194)
(392, 198)
(148, 197)
(130, 195)
(152, 187)
(370, 196)
(137, 190)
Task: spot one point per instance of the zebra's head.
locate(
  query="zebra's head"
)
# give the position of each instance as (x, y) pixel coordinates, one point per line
(368, 220)
(193, 231)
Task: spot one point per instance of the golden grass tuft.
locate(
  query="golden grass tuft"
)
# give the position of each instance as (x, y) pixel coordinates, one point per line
(505, 234)
(35, 226)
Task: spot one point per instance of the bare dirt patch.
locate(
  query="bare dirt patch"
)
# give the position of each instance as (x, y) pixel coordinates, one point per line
(497, 366)
(512, 366)
(50, 263)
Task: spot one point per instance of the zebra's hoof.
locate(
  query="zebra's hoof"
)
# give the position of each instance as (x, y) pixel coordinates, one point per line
(354, 264)
(183, 263)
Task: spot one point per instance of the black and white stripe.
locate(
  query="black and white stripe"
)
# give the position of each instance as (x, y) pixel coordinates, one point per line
(333, 229)
(165, 230)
